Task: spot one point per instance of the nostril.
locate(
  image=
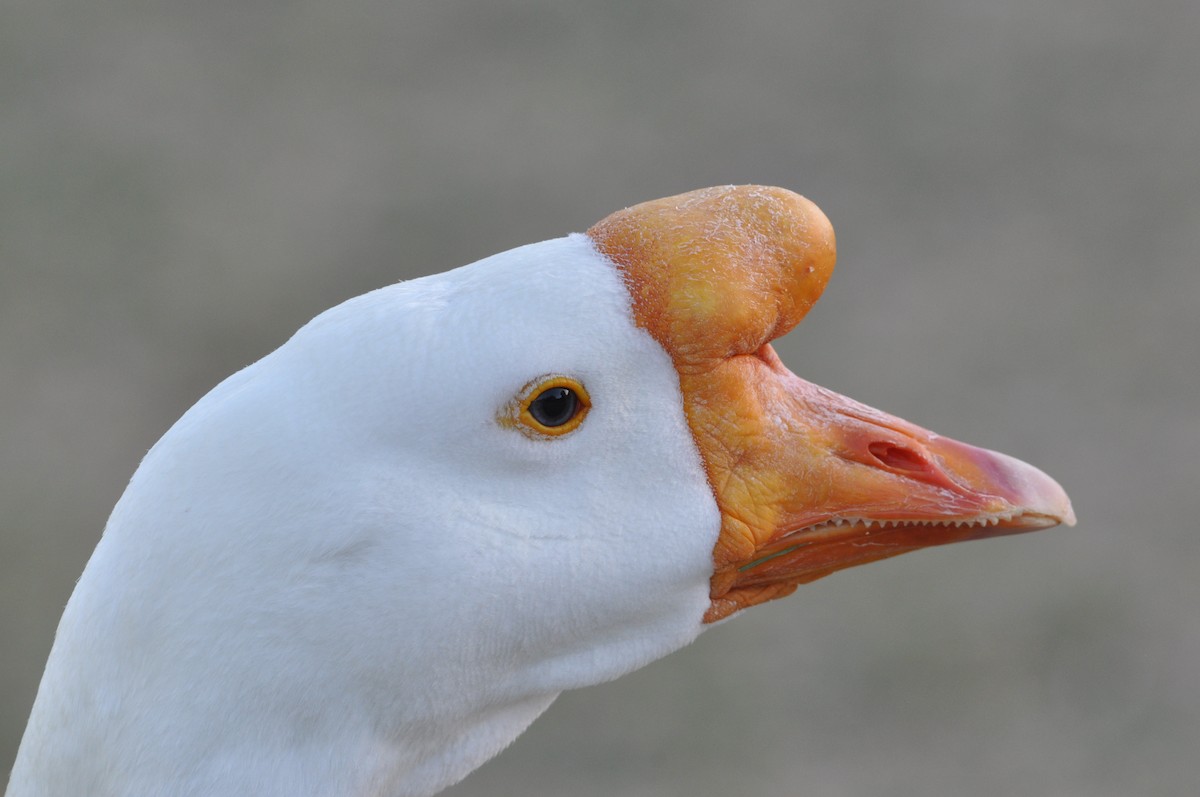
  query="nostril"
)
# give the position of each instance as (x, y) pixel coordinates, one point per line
(897, 457)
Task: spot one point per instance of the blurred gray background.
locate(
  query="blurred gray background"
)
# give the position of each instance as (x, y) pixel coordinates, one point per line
(1016, 190)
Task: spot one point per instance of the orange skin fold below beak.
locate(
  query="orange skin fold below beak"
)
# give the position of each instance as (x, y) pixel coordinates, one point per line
(808, 482)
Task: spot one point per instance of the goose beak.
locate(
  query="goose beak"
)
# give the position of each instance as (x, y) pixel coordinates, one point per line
(828, 483)
(808, 482)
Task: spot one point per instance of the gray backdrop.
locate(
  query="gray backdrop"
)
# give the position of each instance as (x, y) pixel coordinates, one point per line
(1016, 190)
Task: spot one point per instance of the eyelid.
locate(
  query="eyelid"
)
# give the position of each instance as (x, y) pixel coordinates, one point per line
(516, 413)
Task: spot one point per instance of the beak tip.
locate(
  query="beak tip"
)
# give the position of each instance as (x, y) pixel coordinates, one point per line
(1034, 492)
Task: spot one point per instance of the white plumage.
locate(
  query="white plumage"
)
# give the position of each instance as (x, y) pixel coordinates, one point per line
(344, 572)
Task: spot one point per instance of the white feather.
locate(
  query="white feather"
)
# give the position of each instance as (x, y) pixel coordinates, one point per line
(338, 574)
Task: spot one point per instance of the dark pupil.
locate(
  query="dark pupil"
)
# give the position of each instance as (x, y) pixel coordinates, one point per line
(554, 407)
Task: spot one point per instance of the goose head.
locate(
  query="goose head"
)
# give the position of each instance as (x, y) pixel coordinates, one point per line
(365, 563)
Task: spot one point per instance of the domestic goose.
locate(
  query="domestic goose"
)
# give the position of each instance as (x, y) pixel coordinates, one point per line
(364, 564)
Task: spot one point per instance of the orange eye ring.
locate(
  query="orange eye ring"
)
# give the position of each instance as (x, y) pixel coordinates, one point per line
(549, 406)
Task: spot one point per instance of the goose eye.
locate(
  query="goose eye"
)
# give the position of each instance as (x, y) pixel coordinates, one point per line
(554, 407)
(549, 406)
